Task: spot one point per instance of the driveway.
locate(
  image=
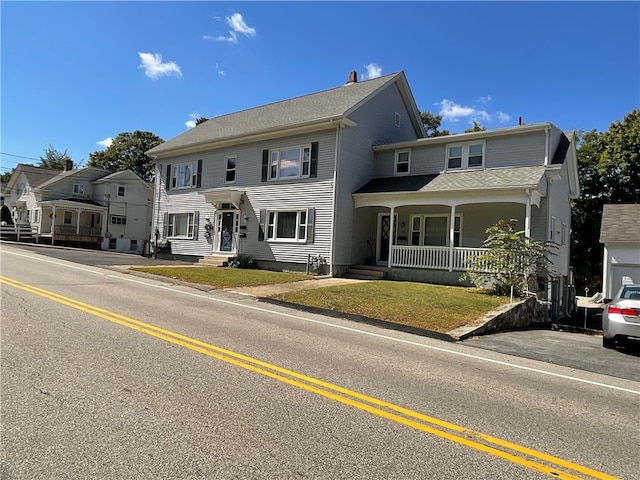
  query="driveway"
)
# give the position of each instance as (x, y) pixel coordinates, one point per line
(574, 349)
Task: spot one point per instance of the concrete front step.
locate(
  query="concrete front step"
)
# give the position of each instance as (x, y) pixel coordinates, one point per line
(214, 261)
(364, 272)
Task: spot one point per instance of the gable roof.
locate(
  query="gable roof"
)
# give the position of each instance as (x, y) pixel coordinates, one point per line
(36, 176)
(620, 223)
(317, 110)
(122, 176)
(88, 173)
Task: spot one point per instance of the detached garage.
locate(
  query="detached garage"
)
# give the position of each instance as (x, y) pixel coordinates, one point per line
(620, 233)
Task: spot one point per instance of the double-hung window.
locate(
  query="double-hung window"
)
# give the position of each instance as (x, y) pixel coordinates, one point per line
(230, 168)
(184, 175)
(181, 225)
(121, 190)
(78, 189)
(287, 225)
(465, 155)
(292, 162)
(403, 157)
(433, 230)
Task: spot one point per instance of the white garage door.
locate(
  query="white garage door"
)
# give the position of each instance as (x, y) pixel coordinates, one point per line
(623, 274)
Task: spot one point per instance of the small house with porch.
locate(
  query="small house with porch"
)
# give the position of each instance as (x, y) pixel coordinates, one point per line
(83, 207)
(347, 177)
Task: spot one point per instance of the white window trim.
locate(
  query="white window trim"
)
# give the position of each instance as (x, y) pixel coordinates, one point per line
(422, 216)
(397, 157)
(175, 175)
(464, 162)
(118, 220)
(124, 190)
(234, 169)
(278, 159)
(271, 226)
(78, 189)
(191, 225)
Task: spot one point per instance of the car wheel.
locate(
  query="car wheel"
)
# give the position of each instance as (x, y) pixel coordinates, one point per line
(608, 342)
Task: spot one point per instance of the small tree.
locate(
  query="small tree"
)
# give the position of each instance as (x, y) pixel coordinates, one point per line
(55, 159)
(513, 261)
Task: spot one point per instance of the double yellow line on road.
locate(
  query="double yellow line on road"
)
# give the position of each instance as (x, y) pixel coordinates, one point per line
(553, 466)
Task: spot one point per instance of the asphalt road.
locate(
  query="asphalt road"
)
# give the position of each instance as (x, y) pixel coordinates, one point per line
(109, 375)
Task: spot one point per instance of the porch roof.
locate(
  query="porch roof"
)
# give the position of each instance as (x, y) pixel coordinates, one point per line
(87, 205)
(223, 195)
(466, 185)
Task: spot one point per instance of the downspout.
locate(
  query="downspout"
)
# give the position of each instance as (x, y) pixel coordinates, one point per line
(335, 199)
(547, 139)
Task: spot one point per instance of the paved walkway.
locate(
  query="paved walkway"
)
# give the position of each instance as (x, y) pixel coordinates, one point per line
(269, 290)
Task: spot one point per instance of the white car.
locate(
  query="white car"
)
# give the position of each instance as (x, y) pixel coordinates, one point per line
(621, 317)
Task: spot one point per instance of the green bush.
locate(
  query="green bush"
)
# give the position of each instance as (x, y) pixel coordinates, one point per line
(241, 261)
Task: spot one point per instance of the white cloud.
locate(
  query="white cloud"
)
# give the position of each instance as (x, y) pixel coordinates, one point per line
(106, 142)
(486, 99)
(453, 112)
(192, 123)
(238, 26)
(373, 71)
(154, 68)
(503, 117)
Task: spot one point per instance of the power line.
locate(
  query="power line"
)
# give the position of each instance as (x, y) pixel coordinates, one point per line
(18, 156)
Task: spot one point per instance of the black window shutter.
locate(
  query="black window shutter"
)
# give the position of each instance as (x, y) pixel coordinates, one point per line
(265, 165)
(168, 182)
(196, 222)
(263, 219)
(313, 171)
(311, 218)
(165, 226)
(199, 174)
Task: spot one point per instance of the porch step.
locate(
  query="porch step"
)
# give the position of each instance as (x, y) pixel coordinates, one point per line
(214, 261)
(365, 272)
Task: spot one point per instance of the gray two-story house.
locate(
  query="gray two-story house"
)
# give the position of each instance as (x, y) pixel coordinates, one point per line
(322, 175)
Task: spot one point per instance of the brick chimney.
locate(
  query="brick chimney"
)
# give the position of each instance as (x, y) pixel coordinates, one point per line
(68, 164)
(353, 78)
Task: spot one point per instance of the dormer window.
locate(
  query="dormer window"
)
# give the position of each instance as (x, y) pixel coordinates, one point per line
(403, 157)
(465, 155)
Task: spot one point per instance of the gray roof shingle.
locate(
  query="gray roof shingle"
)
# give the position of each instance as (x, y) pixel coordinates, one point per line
(463, 180)
(620, 223)
(306, 109)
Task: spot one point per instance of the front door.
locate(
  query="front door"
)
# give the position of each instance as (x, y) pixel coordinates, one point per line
(226, 230)
(384, 232)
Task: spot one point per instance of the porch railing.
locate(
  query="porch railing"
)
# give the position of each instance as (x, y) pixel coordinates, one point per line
(434, 258)
(82, 231)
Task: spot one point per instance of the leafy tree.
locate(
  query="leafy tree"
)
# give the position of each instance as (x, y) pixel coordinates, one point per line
(513, 260)
(127, 151)
(609, 172)
(200, 120)
(54, 159)
(432, 124)
(6, 176)
(475, 128)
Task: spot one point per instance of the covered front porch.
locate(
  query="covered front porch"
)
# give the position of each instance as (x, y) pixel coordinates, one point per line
(72, 221)
(420, 232)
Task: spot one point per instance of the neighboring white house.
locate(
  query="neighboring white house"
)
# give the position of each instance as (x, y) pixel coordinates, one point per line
(322, 176)
(71, 206)
(620, 234)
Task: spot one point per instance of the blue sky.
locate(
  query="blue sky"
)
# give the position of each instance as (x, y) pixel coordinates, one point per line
(75, 74)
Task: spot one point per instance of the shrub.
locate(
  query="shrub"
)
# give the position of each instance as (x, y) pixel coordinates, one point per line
(241, 261)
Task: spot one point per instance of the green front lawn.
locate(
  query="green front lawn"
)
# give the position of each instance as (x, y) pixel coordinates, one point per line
(434, 307)
(224, 277)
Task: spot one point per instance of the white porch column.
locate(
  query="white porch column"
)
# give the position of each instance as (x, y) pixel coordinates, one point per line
(391, 235)
(78, 222)
(452, 234)
(53, 223)
(527, 216)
